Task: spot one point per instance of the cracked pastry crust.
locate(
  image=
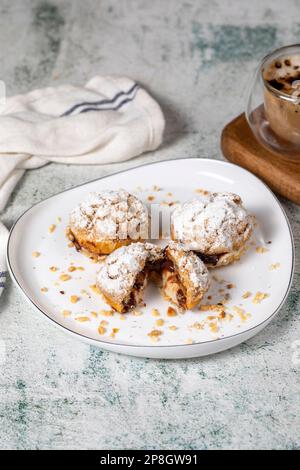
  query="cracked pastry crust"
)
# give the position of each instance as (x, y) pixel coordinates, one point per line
(185, 278)
(123, 275)
(108, 220)
(216, 227)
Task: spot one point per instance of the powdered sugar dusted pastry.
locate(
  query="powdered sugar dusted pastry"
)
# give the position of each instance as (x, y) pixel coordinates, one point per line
(216, 227)
(123, 275)
(108, 220)
(185, 278)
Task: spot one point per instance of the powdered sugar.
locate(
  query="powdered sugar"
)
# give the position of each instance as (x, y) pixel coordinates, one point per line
(214, 224)
(190, 266)
(118, 272)
(111, 215)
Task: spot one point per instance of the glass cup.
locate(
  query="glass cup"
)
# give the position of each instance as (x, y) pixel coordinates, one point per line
(273, 108)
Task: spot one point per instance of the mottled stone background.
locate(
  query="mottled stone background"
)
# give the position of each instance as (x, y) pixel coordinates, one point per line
(196, 58)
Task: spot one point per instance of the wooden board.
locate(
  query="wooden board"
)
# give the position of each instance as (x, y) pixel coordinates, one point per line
(241, 147)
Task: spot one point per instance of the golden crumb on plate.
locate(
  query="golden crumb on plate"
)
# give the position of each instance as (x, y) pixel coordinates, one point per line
(71, 269)
(241, 313)
(82, 319)
(214, 328)
(197, 326)
(44, 289)
(259, 296)
(66, 313)
(212, 307)
(137, 313)
(103, 323)
(114, 331)
(64, 277)
(171, 312)
(274, 266)
(173, 328)
(155, 312)
(94, 314)
(101, 330)
(155, 333)
(160, 322)
(53, 269)
(189, 341)
(52, 228)
(106, 313)
(204, 192)
(36, 254)
(151, 198)
(246, 294)
(261, 249)
(74, 299)
(95, 289)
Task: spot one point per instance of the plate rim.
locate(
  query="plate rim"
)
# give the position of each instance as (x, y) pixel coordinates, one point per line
(99, 341)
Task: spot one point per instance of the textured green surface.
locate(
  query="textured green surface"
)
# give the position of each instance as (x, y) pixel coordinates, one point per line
(196, 58)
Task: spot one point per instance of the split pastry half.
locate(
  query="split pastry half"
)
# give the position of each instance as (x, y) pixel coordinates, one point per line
(185, 278)
(124, 274)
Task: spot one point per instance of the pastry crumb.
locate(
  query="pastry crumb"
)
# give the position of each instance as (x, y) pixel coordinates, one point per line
(52, 228)
(137, 313)
(189, 341)
(94, 314)
(82, 319)
(214, 328)
(151, 198)
(246, 294)
(230, 286)
(160, 322)
(71, 269)
(107, 313)
(259, 296)
(197, 325)
(64, 277)
(53, 269)
(103, 323)
(95, 289)
(261, 249)
(173, 328)
(44, 289)
(155, 312)
(74, 299)
(241, 313)
(212, 307)
(155, 334)
(274, 266)
(204, 192)
(171, 312)
(114, 332)
(36, 254)
(66, 313)
(101, 330)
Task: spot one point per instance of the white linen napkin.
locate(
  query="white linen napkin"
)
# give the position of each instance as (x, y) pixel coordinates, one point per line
(110, 119)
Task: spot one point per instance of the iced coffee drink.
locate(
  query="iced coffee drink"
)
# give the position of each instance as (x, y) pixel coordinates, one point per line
(281, 77)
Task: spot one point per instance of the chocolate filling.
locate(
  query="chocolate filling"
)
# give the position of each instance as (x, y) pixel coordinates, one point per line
(138, 285)
(209, 259)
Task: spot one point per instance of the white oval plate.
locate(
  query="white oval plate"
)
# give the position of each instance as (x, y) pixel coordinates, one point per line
(266, 267)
